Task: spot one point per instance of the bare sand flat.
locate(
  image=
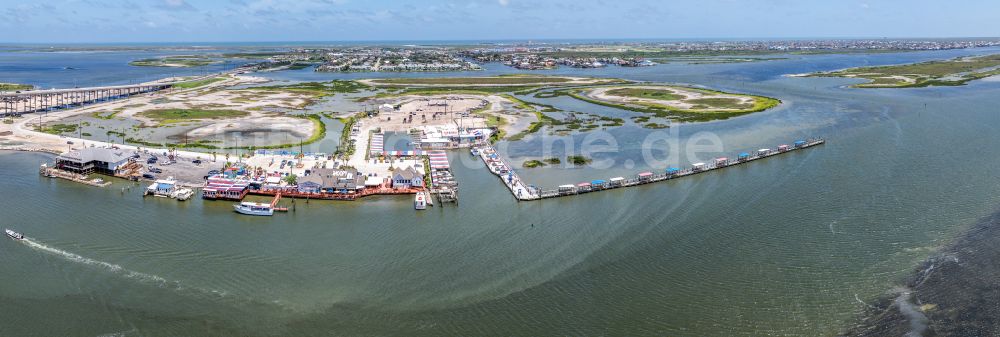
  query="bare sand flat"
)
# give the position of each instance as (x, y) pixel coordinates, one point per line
(297, 126)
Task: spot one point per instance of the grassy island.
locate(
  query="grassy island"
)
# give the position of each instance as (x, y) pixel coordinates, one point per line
(578, 160)
(180, 61)
(677, 102)
(533, 164)
(953, 72)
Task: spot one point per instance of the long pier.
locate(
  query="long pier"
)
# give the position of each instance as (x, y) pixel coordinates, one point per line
(516, 186)
(507, 175)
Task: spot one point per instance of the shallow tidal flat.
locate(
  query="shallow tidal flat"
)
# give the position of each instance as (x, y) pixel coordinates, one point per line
(953, 293)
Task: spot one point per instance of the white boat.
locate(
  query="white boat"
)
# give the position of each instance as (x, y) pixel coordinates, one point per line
(254, 208)
(162, 188)
(474, 152)
(183, 194)
(420, 201)
(14, 235)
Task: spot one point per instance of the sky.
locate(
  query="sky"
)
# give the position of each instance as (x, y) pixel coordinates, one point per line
(97, 21)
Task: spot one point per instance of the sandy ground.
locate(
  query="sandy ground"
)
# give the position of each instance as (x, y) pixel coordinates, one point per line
(602, 94)
(21, 135)
(457, 103)
(299, 127)
(210, 97)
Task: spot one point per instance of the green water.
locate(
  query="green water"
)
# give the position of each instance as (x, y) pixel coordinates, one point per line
(786, 246)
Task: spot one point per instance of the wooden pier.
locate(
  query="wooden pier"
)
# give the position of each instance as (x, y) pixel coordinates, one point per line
(52, 172)
(513, 182)
(507, 175)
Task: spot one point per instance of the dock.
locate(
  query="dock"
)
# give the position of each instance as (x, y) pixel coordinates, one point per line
(52, 172)
(506, 173)
(517, 187)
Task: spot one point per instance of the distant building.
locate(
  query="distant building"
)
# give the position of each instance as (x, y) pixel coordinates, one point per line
(93, 160)
(407, 178)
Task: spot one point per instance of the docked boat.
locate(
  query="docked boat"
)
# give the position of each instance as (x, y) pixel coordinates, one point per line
(420, 201)
(474, 152)
(254, 208)
(164, 188)
(14, 235)
(183, 194)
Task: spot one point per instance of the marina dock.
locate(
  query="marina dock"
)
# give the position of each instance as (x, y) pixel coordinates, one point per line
(517, 187)
(52, 172)
(507, 175)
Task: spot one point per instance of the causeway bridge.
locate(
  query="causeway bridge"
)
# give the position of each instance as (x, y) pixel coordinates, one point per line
(17, 103)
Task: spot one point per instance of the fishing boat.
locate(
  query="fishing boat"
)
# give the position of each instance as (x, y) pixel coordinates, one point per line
(420, 201)
(14, 235)
(254, 208)
(474, 152)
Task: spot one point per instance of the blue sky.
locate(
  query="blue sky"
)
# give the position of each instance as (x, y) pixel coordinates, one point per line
(82, 21)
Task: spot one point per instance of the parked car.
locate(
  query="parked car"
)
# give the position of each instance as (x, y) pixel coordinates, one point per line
(148, 176)
(196, 161)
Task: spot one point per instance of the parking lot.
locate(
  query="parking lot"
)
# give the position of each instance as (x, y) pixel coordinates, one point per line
(187, 171)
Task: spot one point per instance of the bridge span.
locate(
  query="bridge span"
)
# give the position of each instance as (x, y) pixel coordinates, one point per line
(17, 103)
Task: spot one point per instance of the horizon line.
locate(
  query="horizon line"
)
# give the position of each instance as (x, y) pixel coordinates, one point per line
(486, 40)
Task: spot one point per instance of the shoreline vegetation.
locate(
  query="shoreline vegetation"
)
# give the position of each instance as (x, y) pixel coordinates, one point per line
(682, 103)
(952, 72)
(198, 83)
(15, 87)
(171, 116)
(503, 80)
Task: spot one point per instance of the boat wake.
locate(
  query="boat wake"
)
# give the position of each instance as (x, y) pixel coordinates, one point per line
(147, 279)
(114, 268)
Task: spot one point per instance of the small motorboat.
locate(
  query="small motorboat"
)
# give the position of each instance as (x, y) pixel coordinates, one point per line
(474, 152)
(14, 235)
(254, 208)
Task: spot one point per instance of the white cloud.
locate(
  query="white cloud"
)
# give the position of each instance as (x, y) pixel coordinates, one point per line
(176, 5)
(504, 2)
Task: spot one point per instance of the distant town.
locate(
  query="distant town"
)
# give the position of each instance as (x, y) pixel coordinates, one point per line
(552, 55)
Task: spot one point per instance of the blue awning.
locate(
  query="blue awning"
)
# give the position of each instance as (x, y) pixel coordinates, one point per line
(673, 170)
(597, 182)
(744, 154)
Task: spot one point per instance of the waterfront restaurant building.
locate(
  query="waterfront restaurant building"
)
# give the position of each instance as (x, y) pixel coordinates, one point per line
(93, 160)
